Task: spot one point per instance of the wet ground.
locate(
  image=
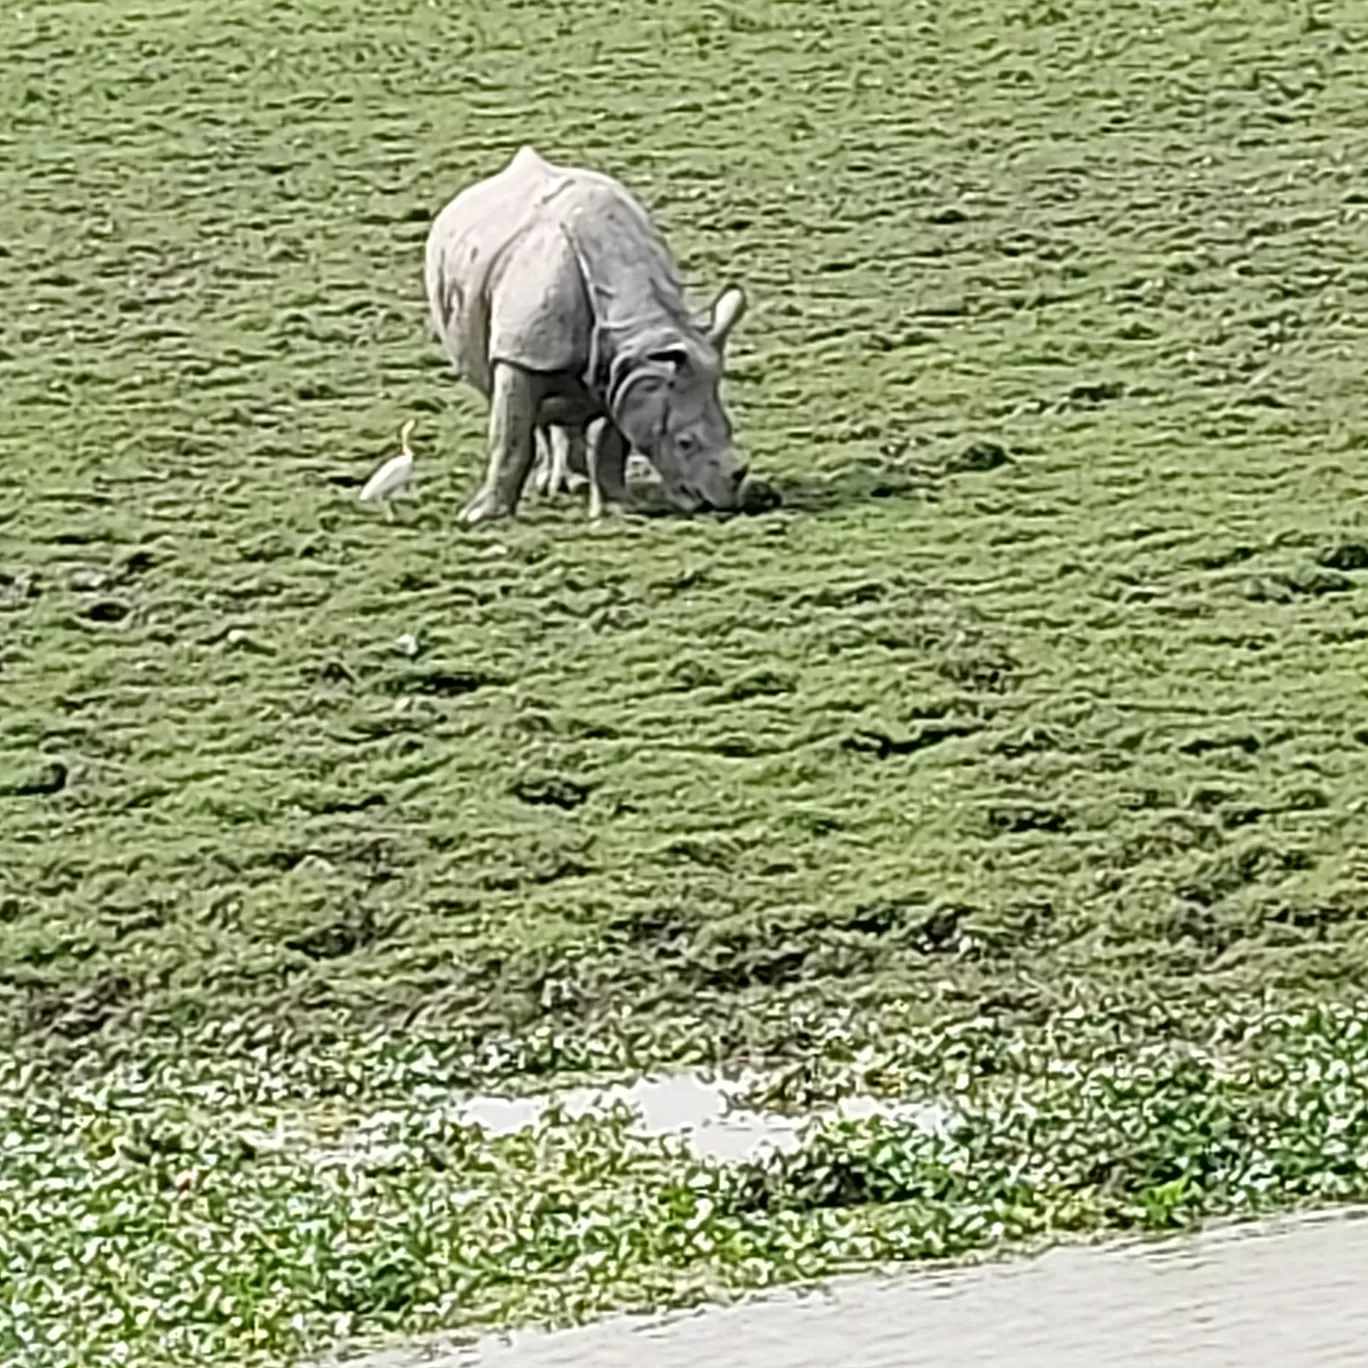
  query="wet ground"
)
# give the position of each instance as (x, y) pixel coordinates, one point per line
(707, 1114)
(1286, 1293)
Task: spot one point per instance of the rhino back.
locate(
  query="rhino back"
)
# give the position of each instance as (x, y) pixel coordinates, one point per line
(550, 267)
(629, 272)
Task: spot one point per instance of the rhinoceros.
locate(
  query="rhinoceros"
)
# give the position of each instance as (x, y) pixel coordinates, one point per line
(555, 296)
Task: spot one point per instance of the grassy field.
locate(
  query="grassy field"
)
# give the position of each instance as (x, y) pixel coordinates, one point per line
(1036, 709)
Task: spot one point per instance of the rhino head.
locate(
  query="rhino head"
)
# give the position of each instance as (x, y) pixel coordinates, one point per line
(669, 408)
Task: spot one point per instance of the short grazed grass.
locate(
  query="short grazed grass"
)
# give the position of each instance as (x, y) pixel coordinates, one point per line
(1036, 704)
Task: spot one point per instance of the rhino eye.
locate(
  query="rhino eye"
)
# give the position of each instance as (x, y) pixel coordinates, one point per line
(687, 443)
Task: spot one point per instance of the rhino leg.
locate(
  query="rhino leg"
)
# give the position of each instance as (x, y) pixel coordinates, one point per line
(574, 459)
(558, 444)
(513, 404)
(544, 471)
(607, 461)
(562, 465)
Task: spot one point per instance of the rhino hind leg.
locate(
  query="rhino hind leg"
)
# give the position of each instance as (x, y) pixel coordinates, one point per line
(561, 442)
(513, 404)
(562, 464)
(574, 459)
(543, 471)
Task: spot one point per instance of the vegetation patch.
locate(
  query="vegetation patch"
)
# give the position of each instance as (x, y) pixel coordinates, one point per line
(248, 1201)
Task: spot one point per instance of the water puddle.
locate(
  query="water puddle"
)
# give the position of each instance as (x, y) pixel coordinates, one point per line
(704, 1113)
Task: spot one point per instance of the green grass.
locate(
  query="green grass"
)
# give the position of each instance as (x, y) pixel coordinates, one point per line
(967, 737)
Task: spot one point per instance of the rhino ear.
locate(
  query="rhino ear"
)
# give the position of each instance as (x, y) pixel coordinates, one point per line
(727, 312)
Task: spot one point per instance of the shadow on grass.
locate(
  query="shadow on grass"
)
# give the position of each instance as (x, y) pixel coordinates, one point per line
(835, 490)
(818, 493)
(892, 479)
(829, 491)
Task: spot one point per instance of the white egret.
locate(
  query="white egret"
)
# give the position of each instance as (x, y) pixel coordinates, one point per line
(394, 474)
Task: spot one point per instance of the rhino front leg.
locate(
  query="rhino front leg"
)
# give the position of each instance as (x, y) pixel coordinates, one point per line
(607, 462)
(513, 406)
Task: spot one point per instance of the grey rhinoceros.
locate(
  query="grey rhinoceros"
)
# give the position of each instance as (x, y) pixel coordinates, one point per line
(555, 296)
